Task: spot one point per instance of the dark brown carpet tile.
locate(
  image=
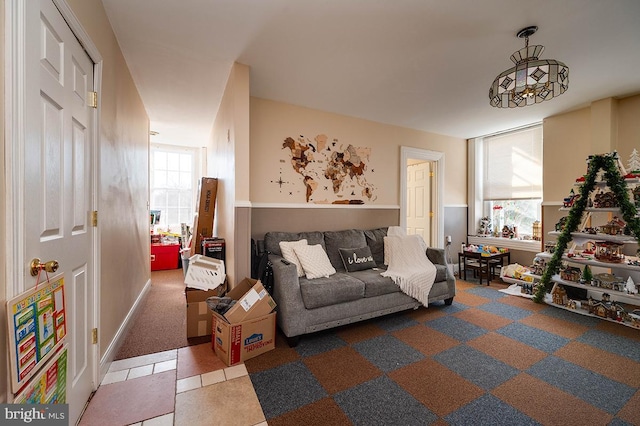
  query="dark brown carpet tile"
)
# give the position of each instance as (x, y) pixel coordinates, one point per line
(523, 302)
(441, 390)
(483, 319)
(354, 333)
(425, 339)
(631, 411)
(470, 299)
(322, 413)
(548, 404)
(620, 330)
(281, 355)
(132, 401)
(557, 326)
(195, 360)
(341, 369)
(613, 366)
(507, 350)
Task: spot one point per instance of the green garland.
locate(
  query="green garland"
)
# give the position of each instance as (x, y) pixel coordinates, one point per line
(618, 185)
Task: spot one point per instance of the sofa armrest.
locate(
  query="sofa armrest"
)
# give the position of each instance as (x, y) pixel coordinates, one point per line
(286, 293)
(436, 255)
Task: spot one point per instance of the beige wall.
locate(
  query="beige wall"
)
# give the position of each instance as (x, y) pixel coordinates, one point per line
(272, 122)
(3, 249)
(229, 162)
(123, 175)
(604, 126)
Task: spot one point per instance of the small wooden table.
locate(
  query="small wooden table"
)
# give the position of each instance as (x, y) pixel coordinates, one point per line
(482, 263)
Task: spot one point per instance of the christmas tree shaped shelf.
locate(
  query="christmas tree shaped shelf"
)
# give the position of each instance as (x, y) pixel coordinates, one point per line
(616, 181)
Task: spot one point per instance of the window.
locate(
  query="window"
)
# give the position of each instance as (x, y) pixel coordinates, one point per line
(173, 185)
(507, 181)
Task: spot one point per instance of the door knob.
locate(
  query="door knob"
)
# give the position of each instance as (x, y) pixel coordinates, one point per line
(36, 266)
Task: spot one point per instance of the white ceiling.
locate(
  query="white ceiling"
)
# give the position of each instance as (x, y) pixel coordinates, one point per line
(421, 64)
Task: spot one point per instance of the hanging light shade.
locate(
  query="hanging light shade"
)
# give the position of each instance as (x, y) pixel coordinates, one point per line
(531, 80)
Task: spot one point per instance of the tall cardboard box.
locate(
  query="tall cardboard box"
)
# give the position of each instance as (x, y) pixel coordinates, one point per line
(206, 205)
(248, 329)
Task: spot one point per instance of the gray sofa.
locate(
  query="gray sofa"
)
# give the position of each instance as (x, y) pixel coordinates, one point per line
(306, 306)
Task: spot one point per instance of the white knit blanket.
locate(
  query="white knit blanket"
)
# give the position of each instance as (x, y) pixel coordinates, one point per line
(409, 266)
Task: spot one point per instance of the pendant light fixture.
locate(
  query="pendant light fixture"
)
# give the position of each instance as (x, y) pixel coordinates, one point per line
(531, 80)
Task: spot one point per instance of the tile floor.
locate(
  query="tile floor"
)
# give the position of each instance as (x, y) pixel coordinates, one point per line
(186, 386)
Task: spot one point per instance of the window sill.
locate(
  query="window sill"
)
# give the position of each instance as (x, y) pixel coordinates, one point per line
(524, 245)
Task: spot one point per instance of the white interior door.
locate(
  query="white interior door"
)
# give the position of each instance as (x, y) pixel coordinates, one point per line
(57, 176)
(419, 200)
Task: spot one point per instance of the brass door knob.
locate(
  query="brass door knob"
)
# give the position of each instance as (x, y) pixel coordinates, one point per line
(36, 266)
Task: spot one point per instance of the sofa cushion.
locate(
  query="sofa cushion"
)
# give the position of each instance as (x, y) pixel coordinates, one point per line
(272, 239)
(338, 288)
(375, 241)
(286, 247)
(357, 259)
(374, 283)
(335, 240)
(314, 261)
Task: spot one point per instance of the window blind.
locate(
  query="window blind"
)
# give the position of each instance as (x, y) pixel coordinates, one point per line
(513, 165)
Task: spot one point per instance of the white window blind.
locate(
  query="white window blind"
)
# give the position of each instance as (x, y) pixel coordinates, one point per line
(513, 165)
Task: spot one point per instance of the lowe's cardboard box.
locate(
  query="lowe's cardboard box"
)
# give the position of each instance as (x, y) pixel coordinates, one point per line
(248, 329)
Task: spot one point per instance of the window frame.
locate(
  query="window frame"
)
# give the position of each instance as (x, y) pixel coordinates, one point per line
(476, 201)
(195, 172)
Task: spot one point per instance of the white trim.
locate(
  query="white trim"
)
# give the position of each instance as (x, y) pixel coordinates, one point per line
(14, 106)
(437, 195)
(552, 203)
(324, 206)
(474, 183)
(121, 334)
(78, 30)
(523, 245)
(242, 203)
(456, 206)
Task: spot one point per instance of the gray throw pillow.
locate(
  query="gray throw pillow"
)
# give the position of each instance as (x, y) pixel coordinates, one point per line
(357, 259)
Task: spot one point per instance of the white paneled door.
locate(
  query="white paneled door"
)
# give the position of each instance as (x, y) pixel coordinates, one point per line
(57, 174)
(419, 200)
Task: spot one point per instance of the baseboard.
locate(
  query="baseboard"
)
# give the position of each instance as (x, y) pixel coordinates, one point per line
(118, 339)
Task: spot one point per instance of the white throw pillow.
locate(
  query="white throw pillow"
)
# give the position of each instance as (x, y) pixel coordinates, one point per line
(286, 247)
(315, 261)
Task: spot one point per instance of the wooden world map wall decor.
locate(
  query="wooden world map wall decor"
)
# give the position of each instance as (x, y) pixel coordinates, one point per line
(329, 172)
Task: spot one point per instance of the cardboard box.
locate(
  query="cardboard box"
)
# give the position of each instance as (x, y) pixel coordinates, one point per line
(235, 343)
(248, 329)
(206, 206)
(253, 301)
(199, 320)
(213, 247)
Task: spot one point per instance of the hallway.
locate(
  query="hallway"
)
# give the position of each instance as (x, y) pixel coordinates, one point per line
(186, 386)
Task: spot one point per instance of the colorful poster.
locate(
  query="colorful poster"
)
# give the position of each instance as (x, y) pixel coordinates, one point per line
(49, 385)
(37, 327)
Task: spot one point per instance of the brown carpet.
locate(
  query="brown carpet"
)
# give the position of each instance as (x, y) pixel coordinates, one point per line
(161, 322)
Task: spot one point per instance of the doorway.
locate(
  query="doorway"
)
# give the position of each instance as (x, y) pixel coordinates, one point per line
(421, 189)
(52, 139)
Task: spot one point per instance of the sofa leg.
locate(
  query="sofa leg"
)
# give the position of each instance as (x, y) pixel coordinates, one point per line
(293, 341)
(448, 301)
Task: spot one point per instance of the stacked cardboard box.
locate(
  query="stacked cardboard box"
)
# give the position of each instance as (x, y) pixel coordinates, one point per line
(248, 329)
(206, 204)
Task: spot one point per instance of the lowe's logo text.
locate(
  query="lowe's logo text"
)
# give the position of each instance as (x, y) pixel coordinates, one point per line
(252, 339)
